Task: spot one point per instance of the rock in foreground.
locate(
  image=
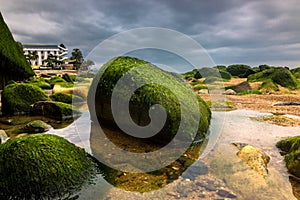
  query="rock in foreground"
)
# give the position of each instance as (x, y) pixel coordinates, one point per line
(42, 166)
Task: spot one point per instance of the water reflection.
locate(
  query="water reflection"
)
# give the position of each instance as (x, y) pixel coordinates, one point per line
(143, 181)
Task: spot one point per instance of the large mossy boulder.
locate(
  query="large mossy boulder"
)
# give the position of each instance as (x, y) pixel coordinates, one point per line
(13, 64)
(290, 148)
(146, 96)
(18, 97)
(54, 110)
(279, 75)
(42, 166)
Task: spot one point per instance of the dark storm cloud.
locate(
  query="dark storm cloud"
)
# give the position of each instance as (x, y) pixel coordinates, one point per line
(233, 31)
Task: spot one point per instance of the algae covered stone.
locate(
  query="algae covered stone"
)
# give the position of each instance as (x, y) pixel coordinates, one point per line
(157, 87)
(54, 110)
(291, 150)
(18, 97)
(36, 126)
(42, 166)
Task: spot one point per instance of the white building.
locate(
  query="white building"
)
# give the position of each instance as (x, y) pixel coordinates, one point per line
(38, 53)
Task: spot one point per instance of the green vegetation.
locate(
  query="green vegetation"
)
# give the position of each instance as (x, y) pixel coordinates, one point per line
(200, 87)
(43, 166)
(291, 150)
(249, 92)
(40, 82)
(269, 85)
(296, 72)
(18, 97)
(67, 78)
(13, 64)
(190, 74)
(66, 98)
(240, 70)
(148, 95)
(279, 75)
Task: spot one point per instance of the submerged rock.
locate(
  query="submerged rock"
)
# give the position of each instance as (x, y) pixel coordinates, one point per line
(54, 110)
(17, 97)
(43, 166)
(255, 158)
(36, 126)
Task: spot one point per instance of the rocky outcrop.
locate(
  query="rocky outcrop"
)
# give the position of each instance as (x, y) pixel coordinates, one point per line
(256, 158)
(54, 110)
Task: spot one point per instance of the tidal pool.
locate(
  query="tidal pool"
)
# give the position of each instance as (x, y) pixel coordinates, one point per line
(218, 172)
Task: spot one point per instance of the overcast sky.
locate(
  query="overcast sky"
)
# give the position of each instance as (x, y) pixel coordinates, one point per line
(232, 31)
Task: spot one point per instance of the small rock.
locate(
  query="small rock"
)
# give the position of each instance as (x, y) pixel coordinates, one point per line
(36, 126)
(203, 91)
(230, 92)
(255, 158)
(226, 194)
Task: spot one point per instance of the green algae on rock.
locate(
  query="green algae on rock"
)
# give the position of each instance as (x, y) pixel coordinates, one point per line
(144, 97)
(43, 166)
(291, 151)
(54, 110)
(18, 97)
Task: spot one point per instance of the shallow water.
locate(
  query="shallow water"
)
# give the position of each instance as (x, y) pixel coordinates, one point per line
(225, 170)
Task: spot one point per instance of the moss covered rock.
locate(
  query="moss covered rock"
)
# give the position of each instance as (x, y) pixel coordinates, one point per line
(17, 98)
(146, 96)
(42, 166)
(13, 64)
(291, 150)
(66, 98)
(279, 75)
(36, 126)
(54, 110)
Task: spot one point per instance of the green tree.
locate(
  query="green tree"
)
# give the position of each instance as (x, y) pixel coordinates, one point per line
(86, 64)
(13, 64)
(78, 57)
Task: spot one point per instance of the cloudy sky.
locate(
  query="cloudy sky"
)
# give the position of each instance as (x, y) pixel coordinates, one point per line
(252, 32)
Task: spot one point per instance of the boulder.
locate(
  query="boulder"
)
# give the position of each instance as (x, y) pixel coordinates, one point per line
(43, 166)
(229, 92)
(256, 158)
(36, 126)
(146, 96)
(18, 97)
(242, 87)
(54, 110)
